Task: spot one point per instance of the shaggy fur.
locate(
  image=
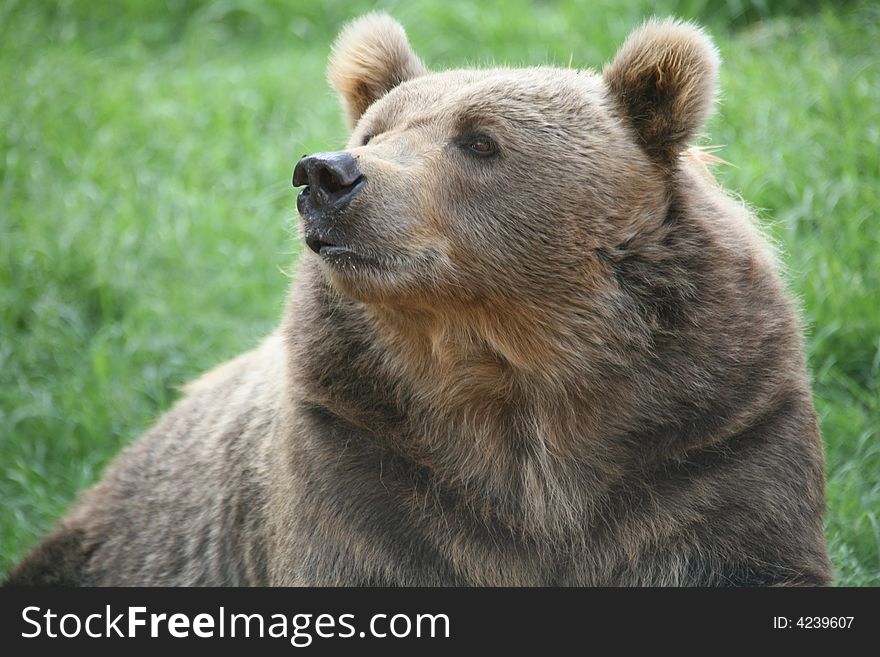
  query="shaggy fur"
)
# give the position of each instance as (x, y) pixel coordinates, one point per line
(569, 361)
(664, 79)
(370, 58)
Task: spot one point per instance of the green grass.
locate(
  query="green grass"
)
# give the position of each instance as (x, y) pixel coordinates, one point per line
(146, 211)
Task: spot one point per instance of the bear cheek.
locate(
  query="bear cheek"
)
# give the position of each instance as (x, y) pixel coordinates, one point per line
(393, 204)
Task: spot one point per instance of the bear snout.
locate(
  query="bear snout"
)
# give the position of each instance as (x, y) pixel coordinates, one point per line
(331, 180)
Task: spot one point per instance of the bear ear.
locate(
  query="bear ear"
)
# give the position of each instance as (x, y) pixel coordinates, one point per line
(371, 56)
(664, 79)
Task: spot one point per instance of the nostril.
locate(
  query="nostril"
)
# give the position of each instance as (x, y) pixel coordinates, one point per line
(300, 175)
(329, 182)
(334, 185)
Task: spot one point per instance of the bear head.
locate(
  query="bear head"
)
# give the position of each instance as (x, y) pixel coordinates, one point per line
(496, 186)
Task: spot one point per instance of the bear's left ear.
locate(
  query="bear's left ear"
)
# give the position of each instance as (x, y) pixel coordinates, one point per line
(371, 56)
(664, 79)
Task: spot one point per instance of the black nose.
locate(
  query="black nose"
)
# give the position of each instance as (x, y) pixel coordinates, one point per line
(332, 179)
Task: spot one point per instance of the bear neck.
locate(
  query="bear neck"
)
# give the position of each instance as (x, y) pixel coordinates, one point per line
(448, 399)
(543, 415)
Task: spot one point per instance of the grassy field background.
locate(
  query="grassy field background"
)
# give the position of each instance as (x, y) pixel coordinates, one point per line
(146, 213)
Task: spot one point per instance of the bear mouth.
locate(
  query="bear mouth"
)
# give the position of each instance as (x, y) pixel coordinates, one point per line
(324, 248)
(335, 254)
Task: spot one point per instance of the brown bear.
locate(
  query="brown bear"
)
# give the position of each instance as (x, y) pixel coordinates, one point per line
(530, 342)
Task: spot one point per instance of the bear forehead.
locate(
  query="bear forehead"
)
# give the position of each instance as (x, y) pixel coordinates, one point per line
(508, 95)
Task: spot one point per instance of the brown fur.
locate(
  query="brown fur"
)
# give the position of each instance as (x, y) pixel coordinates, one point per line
(369, 59)
(664, 79)
(570, 363)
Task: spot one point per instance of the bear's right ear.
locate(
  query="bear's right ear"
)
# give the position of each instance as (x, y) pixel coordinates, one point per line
(371, 56)
(664, 80)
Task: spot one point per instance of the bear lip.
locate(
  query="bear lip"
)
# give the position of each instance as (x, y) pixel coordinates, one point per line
(324, 248)
(316, 244)
(330, 250)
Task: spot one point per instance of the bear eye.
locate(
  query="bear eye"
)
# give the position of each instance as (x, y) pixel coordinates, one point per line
(481, 146)
(366, 139)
